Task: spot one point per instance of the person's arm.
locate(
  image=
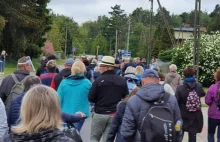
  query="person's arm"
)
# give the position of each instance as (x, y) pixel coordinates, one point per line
(209, 96)
(201, 91)
(128, 127)
(93, 93)
(6, 87)
(116, 122)
(72, 118)
(3, 120)
(177, 94)
(60, 93)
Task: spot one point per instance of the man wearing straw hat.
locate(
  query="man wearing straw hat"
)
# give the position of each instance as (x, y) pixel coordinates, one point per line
(106, 92)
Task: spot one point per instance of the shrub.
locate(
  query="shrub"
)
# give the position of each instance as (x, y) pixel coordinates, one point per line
(209, 56)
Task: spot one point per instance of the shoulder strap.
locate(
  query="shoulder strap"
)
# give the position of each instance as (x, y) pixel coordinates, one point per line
(23, 80)
(166, 97)
(14, 78)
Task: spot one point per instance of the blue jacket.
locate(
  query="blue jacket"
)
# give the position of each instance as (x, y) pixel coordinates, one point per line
(116, 124)
(138, 106)
(73, 93)
(14, 113)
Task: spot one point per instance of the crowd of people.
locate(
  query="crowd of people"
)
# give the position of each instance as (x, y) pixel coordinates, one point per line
(127, 100)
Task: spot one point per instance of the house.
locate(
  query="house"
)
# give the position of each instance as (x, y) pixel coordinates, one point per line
(186, 33)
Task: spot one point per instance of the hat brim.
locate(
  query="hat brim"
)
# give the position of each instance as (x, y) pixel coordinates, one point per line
(106, 64)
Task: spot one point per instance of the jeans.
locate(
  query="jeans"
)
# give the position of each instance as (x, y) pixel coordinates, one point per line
(78, 125)
(212, 124)
(101, 124)
(2, 65)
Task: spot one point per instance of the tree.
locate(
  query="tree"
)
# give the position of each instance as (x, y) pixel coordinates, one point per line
(215, 24)
(27, 23)
(176, 20)
(102, 43)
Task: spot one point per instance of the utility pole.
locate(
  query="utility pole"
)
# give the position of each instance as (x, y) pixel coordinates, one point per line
(150, 39)
(129, 28)
(66, 41)
(116, 43)
(196, 37)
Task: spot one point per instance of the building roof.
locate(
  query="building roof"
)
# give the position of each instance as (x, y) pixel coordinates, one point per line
(184, 29)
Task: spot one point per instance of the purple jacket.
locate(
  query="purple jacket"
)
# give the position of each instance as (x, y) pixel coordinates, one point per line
(211, 99)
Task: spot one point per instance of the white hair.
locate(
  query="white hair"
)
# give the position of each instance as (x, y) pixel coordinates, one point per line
(130, 69)
(173, 67)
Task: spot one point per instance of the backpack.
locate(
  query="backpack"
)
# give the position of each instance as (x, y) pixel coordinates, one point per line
(158, 124)
(131, 85)
(16, 90)
(193, 101)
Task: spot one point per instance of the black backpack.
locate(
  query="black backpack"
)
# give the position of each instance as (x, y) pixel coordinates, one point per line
(158, 124)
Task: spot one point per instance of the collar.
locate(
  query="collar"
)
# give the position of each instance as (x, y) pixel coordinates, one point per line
(22, 72)
(109, 72)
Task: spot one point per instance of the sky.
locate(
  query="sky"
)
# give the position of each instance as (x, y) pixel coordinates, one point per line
(86, 10)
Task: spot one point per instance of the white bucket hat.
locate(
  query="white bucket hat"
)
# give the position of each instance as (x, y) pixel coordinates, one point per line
(108, 61)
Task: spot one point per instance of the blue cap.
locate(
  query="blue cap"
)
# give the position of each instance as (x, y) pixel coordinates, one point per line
(150, 73)
(69, 62)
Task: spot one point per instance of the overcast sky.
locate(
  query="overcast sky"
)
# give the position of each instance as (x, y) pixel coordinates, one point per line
(85, 10)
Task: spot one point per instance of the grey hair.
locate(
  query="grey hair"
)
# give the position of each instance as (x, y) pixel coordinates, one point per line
(30, 81)
(130, 70)
(173, 67)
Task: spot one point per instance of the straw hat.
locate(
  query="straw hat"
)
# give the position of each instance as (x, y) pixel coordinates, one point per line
(108, 61)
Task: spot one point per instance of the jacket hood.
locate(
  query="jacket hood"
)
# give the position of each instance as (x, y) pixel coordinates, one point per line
(43, 136)
(151, 92)
(173, 74)
(130, 76)
(65, 72)
(74, 80)
(190, 85)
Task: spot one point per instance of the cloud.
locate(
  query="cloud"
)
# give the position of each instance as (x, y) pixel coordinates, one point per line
(84, 10)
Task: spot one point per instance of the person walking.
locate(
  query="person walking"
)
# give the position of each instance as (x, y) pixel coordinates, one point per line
(114, 133)
(140, 108)
(40, 122)
(173, 78)
(24, 68)
(46, 78)
(188, 97)
(2, 61)
(14, 111)
(73, 92)
(62, 74)
(212, 100)
(106, 91)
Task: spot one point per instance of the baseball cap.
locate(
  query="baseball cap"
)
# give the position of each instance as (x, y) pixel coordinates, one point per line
(69, 62)
(150, 73)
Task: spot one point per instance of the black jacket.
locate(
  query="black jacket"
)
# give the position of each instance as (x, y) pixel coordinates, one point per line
(42, 70)
(116, 124)
(128, 65)
(138, 106)
(62, 74)
(44, 136)
(8, 83)
(192, 121)
(107, 90)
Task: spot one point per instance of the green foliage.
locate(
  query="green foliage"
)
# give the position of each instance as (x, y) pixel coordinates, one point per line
(166, 55)
(27, 23)
(102, 43)
(209, 56)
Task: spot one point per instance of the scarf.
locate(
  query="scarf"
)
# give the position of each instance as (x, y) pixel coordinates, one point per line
(189, 79)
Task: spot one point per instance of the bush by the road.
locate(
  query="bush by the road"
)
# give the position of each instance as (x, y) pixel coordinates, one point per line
(209, 56)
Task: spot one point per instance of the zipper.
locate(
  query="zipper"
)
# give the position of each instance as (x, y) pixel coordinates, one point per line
(153, 116)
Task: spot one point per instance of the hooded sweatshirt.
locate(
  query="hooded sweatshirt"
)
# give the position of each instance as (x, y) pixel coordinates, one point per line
(138, 106)
(44, 136)
(174, 79)
(73, 93)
